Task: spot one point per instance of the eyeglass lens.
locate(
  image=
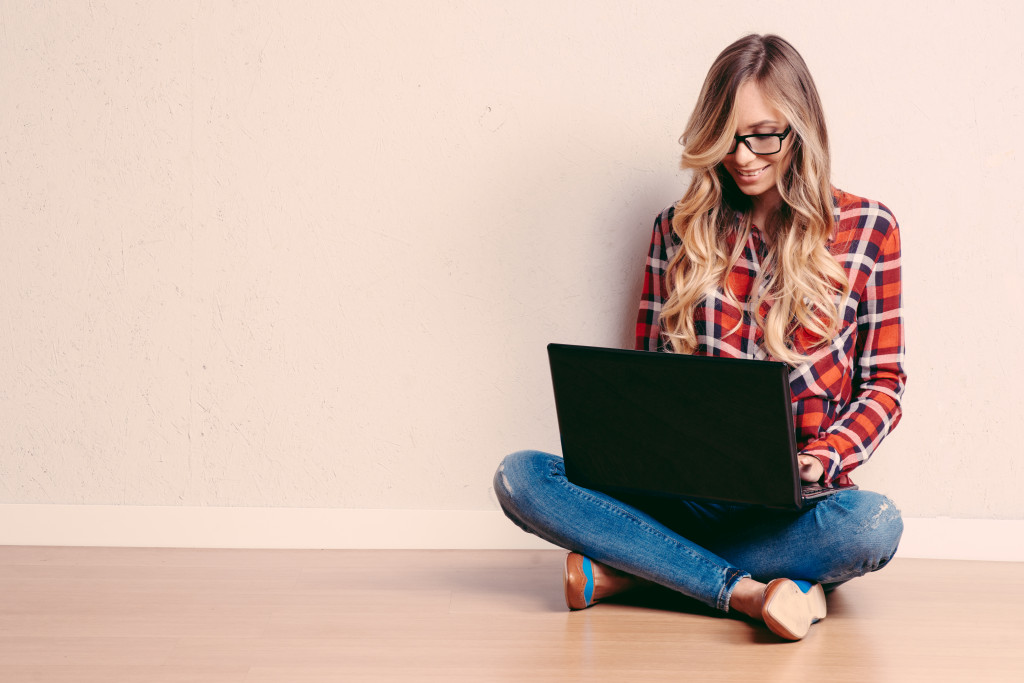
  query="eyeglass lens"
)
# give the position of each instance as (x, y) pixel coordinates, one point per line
(767, 144)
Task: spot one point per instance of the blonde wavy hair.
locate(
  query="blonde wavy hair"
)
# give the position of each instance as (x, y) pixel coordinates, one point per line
(801, 280)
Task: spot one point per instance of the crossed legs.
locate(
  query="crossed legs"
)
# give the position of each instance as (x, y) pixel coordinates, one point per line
(718, 554)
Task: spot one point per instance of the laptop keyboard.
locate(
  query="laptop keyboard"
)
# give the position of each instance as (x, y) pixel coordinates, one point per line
(813, 490)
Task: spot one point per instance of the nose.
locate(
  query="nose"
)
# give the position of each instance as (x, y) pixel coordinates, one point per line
(743, 154)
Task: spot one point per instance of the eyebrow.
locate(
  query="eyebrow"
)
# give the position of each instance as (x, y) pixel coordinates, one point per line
(766, 122)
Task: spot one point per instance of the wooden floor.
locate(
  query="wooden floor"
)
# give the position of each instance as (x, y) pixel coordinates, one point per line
(153, 615)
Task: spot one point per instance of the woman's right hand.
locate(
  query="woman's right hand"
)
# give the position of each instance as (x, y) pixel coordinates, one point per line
(811, 468)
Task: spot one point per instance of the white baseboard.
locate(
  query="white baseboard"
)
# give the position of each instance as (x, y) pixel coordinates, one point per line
(219, 527)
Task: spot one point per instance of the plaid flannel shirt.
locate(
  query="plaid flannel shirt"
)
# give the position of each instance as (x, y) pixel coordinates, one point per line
(846, 396)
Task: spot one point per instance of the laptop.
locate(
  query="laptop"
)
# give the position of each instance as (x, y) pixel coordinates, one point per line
(698, 427)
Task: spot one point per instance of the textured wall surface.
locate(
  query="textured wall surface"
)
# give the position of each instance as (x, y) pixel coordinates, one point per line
(309, 254)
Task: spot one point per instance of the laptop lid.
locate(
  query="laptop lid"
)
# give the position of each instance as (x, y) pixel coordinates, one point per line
(708, 428)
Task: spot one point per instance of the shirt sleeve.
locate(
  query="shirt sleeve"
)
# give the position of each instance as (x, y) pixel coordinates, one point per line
(648, 325)
(879, 377)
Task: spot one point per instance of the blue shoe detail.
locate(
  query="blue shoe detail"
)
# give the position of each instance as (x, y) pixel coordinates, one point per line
(588, 590)
(803, 585)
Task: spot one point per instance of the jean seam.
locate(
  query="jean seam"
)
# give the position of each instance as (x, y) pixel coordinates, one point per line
(729, 585)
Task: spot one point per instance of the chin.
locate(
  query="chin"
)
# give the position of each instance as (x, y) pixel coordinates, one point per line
(757, 190)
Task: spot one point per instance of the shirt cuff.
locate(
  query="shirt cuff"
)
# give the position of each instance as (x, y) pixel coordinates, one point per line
(829, 458)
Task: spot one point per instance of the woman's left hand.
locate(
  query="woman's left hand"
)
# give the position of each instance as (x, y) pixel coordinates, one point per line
(811, 468)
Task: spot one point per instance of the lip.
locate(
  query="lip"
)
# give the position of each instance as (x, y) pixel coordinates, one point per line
(741, 178)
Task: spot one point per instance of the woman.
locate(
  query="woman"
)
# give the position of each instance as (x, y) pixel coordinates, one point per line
(764, 259)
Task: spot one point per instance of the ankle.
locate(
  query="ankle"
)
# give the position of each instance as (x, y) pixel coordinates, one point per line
(748, 597)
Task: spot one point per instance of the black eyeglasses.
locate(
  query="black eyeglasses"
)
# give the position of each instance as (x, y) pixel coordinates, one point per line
(762, 144)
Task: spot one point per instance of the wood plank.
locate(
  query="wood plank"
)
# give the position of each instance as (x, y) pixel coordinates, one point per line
(136, 614)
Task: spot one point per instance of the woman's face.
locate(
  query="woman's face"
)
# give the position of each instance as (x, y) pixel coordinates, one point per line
(754, 174)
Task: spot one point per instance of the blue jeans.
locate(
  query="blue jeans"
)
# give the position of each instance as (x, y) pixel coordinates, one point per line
(699, 549)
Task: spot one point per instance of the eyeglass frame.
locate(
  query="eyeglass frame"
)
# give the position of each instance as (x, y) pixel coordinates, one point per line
(743, 138)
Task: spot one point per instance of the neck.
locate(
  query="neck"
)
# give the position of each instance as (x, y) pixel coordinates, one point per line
(764, 207)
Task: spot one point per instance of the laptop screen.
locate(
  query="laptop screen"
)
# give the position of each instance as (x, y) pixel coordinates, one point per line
(700, 427)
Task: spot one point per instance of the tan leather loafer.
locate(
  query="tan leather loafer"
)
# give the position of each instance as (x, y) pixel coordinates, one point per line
(578, 581)
(789, 611)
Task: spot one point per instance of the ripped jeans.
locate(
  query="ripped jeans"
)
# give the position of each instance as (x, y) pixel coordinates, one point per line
(700, 549)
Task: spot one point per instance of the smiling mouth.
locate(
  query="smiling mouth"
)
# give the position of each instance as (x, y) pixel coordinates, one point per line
(751, 174)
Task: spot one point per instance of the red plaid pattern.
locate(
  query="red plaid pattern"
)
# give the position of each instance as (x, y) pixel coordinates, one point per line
(846, 396)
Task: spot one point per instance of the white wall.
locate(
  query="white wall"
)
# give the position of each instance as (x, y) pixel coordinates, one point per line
(280, 254)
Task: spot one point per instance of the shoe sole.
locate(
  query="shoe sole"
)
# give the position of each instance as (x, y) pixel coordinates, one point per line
(789, 612)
